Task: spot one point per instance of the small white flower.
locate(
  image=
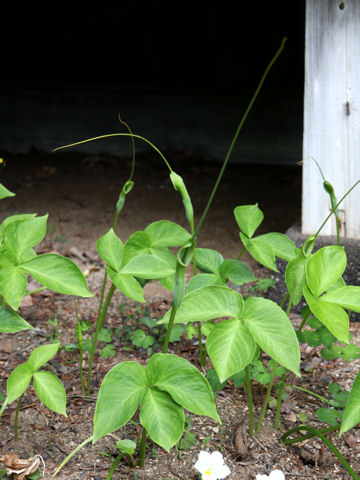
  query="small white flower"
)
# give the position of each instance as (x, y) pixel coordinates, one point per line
(212, 466)
(274, 475)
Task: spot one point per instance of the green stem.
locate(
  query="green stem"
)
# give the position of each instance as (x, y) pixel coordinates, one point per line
(169, 328)
(242, 121)
(81, 359)
(302, 324)
(327, 442)
(69, 457)
(16, 417)
(266, 401)
(99, 326)
(250, 401)
(202, 355)
(142, 451)
(3, 406)
(117, 461)
(283, 301)
(323, 399)
(308, 436)
(241, 253)
(283, 376)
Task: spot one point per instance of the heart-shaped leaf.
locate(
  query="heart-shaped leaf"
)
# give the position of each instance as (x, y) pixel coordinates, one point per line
(333, 316)
(111, 249)
(260, 250)
(119, 396)
(187, 386)
(42, 355)
(231, 347)
(148, 266)
(348, 297)
(248, 218)
(236, 271)
(208, 260)
(164, 233)
(12, 284)
(272, 331)
(127, 284)
(282, 246)
(324, 268)
(207, 303)
(11, 322)
(50, 391)
(18, 381)
(58, 273)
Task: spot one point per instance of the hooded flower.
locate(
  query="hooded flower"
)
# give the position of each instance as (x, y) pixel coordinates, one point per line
(274, 475)
(212, 466)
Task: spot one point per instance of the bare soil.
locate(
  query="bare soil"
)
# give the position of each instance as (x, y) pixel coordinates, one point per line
(79, 193)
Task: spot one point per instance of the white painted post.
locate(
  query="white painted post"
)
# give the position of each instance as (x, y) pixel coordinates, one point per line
(331, 113)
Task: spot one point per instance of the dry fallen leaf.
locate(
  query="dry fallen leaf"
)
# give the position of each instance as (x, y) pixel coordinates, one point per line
(20, 467)
(241, 439)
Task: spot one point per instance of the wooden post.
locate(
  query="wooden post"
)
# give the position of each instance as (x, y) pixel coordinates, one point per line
(331, 113)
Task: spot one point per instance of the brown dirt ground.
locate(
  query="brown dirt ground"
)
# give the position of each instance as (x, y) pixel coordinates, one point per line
(79, 193)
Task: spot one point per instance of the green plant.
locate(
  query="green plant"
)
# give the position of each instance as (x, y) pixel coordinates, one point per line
(47, 386)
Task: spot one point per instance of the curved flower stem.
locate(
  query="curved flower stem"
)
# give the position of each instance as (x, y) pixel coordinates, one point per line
(266, 401)
(250, 401)
(238, 130)
(16, 417)
(99, 326)
(327, 442)
(71, 454)
(142, 451)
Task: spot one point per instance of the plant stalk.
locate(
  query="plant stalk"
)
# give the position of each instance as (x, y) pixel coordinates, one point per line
(266, 401)
(169, 328)
(16, 417)
(81, 359)
(250, 401)
(71, 454)
(142, 451)
(99, 326)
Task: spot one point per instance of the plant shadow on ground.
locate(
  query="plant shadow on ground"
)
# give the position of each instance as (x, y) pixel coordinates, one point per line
(79, 192)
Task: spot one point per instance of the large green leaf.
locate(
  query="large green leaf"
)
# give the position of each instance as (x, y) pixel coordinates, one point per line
(324, 268)
(12, 284)
(348, 297)
(248, 218)
(119, 396)
(111, 249)
(42, 355)
(148, 266)
(22, 235)
(207, 303)
(4, 192)
(11, 322)
(295, 277)
(50, 391)
(282, 246)
(18, 381)
(272, 331)
(231, 347)
(58, 273)
(183, 382)
(164, 233)
(351, 415)
(260, 250)
(162, 418)
(208, 260)
(236, 271)
(127, 284)
(333, 316)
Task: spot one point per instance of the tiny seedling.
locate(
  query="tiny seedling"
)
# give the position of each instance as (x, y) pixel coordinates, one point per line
(47, 386)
